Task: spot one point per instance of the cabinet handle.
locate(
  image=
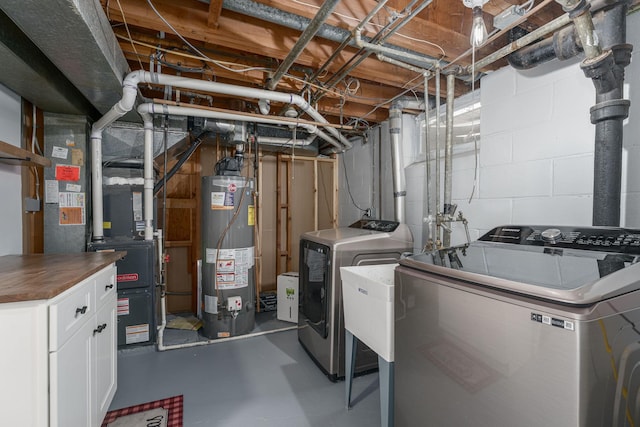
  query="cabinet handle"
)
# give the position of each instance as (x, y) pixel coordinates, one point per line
(82, 310)
(100, 328)
(109, 286)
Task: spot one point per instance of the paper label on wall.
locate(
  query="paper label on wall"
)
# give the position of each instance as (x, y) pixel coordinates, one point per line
(67, 173)
(76, 188)
(137, 333)
(232, 266)
(72, 208)
(51, 191)
(210, 304)
(123, 306)
(77, 157)
(59, 152)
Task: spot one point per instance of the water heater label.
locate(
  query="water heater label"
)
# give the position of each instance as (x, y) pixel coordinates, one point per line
(232, 266)
(217, 199)
(251, 216)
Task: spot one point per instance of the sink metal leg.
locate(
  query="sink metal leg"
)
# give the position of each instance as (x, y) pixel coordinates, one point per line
(385, 370)
(351, 346)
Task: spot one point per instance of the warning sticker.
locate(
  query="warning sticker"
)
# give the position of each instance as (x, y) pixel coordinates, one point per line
(251, 216)
(137, 333)
(72, 208)
(226, 266)
(232, 266)
(221, 200)
(123, 306)
(228, 199)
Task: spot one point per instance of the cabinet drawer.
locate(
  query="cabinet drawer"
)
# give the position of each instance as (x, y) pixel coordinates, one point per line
(106, 286)
(69, 311)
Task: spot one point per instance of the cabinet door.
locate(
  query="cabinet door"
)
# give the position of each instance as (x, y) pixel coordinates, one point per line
(106, 358)
(71, 380)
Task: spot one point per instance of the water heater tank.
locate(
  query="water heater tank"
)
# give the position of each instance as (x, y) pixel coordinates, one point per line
(228, 281)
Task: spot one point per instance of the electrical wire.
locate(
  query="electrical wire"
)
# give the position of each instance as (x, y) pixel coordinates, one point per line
(346, 178)
(473, 120)
(126, 27)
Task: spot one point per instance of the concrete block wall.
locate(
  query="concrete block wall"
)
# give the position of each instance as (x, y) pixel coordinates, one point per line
(535, 157)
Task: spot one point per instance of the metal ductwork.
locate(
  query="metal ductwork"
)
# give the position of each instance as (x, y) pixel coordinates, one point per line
(606, 56)
(71, 34)
(397, 170)
(329, 32)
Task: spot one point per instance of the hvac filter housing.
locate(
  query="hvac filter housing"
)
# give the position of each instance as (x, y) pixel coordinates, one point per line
(228, 256)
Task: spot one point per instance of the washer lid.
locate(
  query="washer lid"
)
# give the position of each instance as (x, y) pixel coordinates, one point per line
(568, 276)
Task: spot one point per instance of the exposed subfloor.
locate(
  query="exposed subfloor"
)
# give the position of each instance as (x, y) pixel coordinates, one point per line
(266, 380)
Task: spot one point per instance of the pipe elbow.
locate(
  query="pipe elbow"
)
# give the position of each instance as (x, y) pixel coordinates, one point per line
(357, 37)
(146, 112)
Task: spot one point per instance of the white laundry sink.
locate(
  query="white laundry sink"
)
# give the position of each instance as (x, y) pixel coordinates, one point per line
(367, 294)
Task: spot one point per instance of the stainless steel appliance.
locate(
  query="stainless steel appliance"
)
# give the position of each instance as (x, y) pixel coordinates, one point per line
(529, 326)
(321, 315)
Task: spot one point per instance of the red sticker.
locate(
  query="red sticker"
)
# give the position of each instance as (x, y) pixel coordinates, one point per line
(232, 188)
(67, 173)
(129, 277)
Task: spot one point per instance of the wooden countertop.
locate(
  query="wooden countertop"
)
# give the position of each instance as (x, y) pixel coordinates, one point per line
(43, 276)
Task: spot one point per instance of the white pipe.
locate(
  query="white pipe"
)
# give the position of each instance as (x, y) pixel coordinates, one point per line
(129, 93)
(130, 87)
(148, 175)
(274, 140)
(226, 89)
(198, 112)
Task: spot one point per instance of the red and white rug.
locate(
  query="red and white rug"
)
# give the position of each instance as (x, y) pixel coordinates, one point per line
(161, 413)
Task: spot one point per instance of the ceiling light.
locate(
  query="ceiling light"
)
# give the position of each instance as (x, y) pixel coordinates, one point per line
(478, 29)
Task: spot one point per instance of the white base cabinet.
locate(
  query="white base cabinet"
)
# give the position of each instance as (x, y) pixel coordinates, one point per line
(65, 359)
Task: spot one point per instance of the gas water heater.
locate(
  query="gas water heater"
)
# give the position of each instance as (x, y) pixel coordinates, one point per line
(228, 281)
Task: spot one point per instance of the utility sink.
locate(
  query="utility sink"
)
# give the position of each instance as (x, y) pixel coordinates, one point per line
(367, 293)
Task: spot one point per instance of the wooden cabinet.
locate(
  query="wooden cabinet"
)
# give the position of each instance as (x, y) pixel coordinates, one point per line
(59, 358)
(83, 362)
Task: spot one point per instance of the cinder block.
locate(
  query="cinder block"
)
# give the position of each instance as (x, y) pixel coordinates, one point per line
(527, 179)
(573, 176)
(564, 210)
(496, 149)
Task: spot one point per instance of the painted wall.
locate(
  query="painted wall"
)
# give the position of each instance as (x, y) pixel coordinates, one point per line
(10, 176)
(535, 156)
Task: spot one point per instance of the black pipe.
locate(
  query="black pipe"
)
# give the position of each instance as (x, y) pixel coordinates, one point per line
(565, 43)
(185, 156)
(607, 74)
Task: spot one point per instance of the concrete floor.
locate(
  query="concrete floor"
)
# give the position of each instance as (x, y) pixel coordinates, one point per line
(267, 380)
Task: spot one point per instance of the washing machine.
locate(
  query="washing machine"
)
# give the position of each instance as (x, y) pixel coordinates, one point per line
(321, 314)
(528, 326)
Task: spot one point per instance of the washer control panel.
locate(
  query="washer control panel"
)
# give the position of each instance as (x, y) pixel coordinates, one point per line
(604, 239)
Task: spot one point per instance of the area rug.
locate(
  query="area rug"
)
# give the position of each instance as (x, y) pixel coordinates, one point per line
(161, 413)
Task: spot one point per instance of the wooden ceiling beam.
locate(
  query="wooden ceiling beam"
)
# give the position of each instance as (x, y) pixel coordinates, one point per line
(242, 33)
(215, 8)
(420, 34)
